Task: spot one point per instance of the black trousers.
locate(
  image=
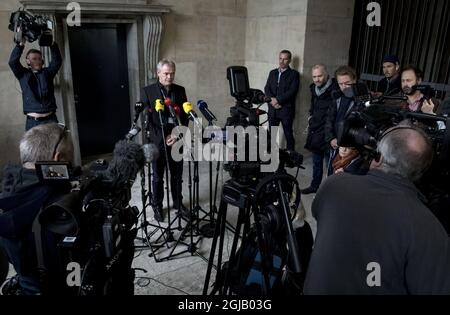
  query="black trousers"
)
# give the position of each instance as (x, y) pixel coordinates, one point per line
(176, 176)
(287, 122)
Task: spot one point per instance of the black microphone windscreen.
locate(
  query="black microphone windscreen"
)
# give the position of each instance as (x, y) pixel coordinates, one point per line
(128, 159)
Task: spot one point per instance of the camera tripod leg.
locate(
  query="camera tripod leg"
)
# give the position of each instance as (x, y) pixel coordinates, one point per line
(292, 242)
(218, 233)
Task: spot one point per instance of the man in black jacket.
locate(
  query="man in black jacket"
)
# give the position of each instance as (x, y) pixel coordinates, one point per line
(165, 89)
(36, 82)
(321, 101)
(374, 234)
(21, 199)
(282, 87)
(343, 106)
(391, 83)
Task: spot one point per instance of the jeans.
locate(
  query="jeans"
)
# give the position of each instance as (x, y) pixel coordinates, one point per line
(318, 159)
(16, 251)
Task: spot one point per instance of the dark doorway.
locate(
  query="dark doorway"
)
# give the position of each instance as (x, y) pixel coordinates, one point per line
(100, 81)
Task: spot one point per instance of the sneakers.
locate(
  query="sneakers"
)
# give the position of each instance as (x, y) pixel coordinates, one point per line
(12, 287)
(309, 190)
(158, 214)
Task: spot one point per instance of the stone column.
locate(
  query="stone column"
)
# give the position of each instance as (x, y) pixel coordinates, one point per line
(153, 28)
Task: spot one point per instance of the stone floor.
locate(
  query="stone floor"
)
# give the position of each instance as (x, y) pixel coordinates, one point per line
(185, 273)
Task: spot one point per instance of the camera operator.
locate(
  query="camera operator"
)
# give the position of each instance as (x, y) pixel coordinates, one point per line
(374, 233)
(22, 198)
(321, 101)
(165, 89)
(282, 87)
(36, 81)
(417, 102)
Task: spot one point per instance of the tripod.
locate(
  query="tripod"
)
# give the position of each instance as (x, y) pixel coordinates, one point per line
(246, 198)
(192, 221)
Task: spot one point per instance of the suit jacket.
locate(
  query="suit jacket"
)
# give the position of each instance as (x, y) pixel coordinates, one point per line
(149, 95)
(285, 91)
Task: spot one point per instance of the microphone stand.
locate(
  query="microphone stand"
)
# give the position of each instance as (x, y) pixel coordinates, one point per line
(207, 230)
(147, 197)
(192, 247)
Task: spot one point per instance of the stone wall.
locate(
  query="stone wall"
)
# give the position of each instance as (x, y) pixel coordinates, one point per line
(204, 37)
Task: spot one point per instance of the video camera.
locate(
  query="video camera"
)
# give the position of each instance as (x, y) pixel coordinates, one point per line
(94, 225)
(243, 114)
(31, 28)
(364, 129)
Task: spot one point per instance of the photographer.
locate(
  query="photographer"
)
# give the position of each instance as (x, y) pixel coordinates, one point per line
(374, 234)
(36, 81)
(22, 198)
(417, 102)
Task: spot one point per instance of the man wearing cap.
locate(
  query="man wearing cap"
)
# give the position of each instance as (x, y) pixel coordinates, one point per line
(391, 83)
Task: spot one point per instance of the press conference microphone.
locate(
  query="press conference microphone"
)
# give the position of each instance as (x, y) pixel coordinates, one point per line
(172, 112)
(133, 132)
(159, 107)
(138, 108)
(203, 107)
(187, 107)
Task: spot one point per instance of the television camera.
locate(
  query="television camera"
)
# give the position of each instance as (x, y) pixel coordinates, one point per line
(268, 259)
(364, 129)
(31, 28)
(92, 226)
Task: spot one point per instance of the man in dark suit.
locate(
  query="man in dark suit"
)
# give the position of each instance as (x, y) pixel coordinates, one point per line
(165, 89)
(282, 87)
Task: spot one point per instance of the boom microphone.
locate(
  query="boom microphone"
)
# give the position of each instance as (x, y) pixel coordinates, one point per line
(127, 161)
(203, 107)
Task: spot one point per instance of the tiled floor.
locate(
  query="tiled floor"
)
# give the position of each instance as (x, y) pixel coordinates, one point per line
(185, 274)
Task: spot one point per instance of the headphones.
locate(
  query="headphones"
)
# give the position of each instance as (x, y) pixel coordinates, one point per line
(387, 132)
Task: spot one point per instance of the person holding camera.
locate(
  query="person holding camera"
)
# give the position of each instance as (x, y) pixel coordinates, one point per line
(282, 87)
(164, 90)
(416, 102)
(374, 233)
(36, 82)
(22, 198)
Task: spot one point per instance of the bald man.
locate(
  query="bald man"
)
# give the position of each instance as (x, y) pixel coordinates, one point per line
(374, 234)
